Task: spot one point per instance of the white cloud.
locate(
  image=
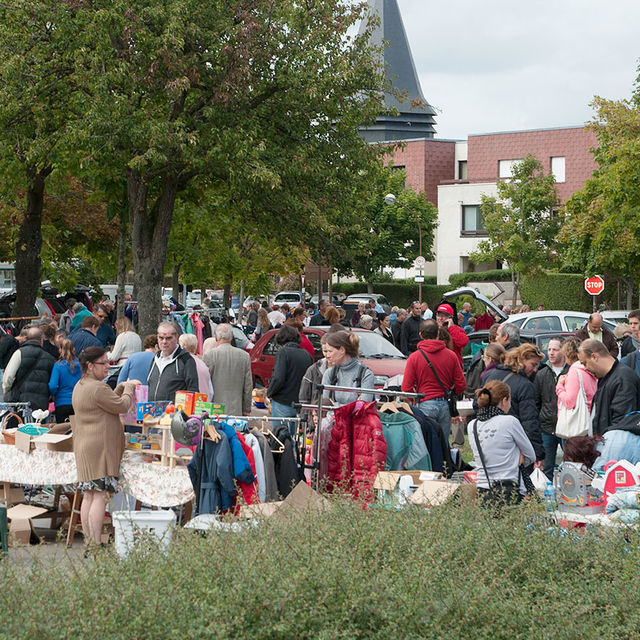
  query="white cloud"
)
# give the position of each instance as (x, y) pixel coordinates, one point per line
(493, 65)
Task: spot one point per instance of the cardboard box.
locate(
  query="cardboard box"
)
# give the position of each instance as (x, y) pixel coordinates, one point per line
(387, 480)
(436, 492)
(21, 527)
(186, 400)
(25, 442)
(54, 442)
(302, 498)
(212, 408)
(155, 409)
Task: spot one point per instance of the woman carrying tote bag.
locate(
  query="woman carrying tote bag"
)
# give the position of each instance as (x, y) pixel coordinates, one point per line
(575, 392)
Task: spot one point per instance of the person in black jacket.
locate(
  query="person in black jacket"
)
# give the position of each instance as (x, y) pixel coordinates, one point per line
(618, 386)
(26, 378)
(292, 361)
(173, 369)
(410, 332)
(519, 364)
(547, 401)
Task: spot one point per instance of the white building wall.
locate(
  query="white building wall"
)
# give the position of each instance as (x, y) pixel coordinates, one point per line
(451, 246)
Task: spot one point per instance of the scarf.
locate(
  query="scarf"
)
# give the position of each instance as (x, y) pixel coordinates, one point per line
(488, 412)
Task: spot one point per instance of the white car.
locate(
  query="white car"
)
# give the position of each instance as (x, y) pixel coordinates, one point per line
(615, 317)
(553, 320)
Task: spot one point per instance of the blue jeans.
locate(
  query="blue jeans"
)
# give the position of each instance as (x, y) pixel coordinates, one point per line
(438, 411)
(279, 410)
(550, 443)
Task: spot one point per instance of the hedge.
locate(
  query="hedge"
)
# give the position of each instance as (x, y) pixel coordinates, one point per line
(556, 291)
(454, 571)
(401, 293)
(463, 279)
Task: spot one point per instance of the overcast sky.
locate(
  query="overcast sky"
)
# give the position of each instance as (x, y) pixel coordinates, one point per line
(497, 65)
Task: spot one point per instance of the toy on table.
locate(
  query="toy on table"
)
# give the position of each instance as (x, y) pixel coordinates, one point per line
(575, 491)
(618, 475)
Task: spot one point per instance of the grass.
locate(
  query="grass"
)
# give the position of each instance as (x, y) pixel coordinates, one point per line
(449, 572)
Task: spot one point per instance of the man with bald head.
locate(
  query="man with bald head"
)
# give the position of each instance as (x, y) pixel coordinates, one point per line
(26, 378)
(173, 369)
(595, 330)
(618, 386)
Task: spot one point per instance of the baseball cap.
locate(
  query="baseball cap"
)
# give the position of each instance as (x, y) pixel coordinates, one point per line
(445, 308)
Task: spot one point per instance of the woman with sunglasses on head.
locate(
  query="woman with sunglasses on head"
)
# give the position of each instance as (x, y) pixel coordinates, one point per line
(98, 437)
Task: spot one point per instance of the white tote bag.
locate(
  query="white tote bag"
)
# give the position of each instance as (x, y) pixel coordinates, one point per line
(576, 421)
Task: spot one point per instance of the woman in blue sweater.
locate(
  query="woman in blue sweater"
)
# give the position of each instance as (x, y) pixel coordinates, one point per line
(64, 377)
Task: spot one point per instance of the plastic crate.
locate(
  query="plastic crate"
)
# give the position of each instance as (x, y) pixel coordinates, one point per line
(130, 526)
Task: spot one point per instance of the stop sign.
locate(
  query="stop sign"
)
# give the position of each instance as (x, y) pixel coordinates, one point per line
(594, 285)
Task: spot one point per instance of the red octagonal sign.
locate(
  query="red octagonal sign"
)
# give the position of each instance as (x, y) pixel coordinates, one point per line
(594, 285)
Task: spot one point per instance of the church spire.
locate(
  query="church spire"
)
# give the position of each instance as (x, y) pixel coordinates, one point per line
(416, 114)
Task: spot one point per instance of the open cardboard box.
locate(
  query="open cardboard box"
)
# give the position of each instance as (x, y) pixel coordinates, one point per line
(58, 438)
(436, 492)
(21, 529)
(387, 480)
(302, 498)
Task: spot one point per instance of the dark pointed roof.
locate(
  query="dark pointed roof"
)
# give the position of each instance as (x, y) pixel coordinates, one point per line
(416, 114)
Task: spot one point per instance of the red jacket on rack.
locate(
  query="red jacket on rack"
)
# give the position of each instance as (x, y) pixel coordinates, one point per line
(249, 490)
(357, 450)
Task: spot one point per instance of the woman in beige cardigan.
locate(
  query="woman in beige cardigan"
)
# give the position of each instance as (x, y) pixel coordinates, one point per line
(98, 437)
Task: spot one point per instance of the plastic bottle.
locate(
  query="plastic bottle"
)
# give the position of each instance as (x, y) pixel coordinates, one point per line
(550, 497)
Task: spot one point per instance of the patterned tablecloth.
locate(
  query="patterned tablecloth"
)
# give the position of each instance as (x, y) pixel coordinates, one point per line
(149, 483)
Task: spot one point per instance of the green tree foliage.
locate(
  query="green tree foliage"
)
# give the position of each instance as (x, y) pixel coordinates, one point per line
(602, 231)
(37, 83)
(382, 235)
(519, 222)
(256, 100)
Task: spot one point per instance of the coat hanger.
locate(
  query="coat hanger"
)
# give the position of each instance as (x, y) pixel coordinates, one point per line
(267, 432)
(388, 407)
(210, 433)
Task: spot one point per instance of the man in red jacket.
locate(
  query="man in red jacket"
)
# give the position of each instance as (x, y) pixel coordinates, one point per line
(419, 377)
(444, 316)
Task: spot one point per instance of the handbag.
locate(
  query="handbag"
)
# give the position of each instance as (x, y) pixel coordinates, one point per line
(576, 421)
(450, 397)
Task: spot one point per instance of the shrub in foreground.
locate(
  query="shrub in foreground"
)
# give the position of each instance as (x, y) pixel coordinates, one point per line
(347, 573)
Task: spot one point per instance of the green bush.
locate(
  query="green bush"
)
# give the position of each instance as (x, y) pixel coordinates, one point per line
(463, 279)
(401, 293)
(347, 573)
(556, 291)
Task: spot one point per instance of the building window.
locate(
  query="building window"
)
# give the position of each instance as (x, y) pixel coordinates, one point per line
(505, 167)
(557, 168)
(472, 222)
(462, 170)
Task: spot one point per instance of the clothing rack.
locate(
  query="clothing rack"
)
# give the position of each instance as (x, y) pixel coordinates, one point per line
(320, 408)
(226, 418)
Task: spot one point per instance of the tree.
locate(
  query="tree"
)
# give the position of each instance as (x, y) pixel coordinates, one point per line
(258, 101)
(36, 88)
(520, 222)
(380, 235)
(601, 233)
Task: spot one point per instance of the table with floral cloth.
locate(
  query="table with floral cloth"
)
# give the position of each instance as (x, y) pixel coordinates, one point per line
(150, 483)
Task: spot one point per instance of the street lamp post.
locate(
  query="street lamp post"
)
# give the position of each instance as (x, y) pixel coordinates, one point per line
(390, 199)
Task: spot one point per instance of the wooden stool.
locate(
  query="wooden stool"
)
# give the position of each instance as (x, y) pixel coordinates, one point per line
(74, 516)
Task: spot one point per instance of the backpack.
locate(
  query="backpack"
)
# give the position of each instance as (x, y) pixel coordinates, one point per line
(473, 377)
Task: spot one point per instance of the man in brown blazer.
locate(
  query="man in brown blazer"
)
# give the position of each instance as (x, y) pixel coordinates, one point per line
(230, 370)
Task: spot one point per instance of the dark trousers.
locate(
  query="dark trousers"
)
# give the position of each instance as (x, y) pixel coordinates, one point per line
(63, 412)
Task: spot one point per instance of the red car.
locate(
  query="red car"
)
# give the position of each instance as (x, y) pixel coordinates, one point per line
(384, 360)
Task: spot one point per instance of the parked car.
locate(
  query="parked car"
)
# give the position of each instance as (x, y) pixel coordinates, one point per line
(553, 320)
(384, 360)
(350, 303)
(8, 299)
(615, 317)
(56, 300)
(480, 339)
(336, 300)
(292, 298)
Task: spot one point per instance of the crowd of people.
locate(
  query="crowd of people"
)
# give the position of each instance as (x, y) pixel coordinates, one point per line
(70, 363)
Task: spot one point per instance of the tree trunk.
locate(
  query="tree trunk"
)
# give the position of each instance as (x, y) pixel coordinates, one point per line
(226, 296)
(241, 310)
(514, 298)
(122, 265)
(175, 279)
(149, 240)
(369, 286)
(631, 285)
(29, 244)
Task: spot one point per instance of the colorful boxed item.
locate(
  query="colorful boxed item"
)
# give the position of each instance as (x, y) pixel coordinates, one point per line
(186, 400)
(155, 409)
(141, 394)
(140, 441)
(212, 408)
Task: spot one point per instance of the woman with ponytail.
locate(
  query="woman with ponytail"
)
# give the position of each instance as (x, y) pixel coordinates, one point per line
(499, 444)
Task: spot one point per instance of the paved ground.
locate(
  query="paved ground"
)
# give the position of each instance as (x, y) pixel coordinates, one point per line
(52, 549)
